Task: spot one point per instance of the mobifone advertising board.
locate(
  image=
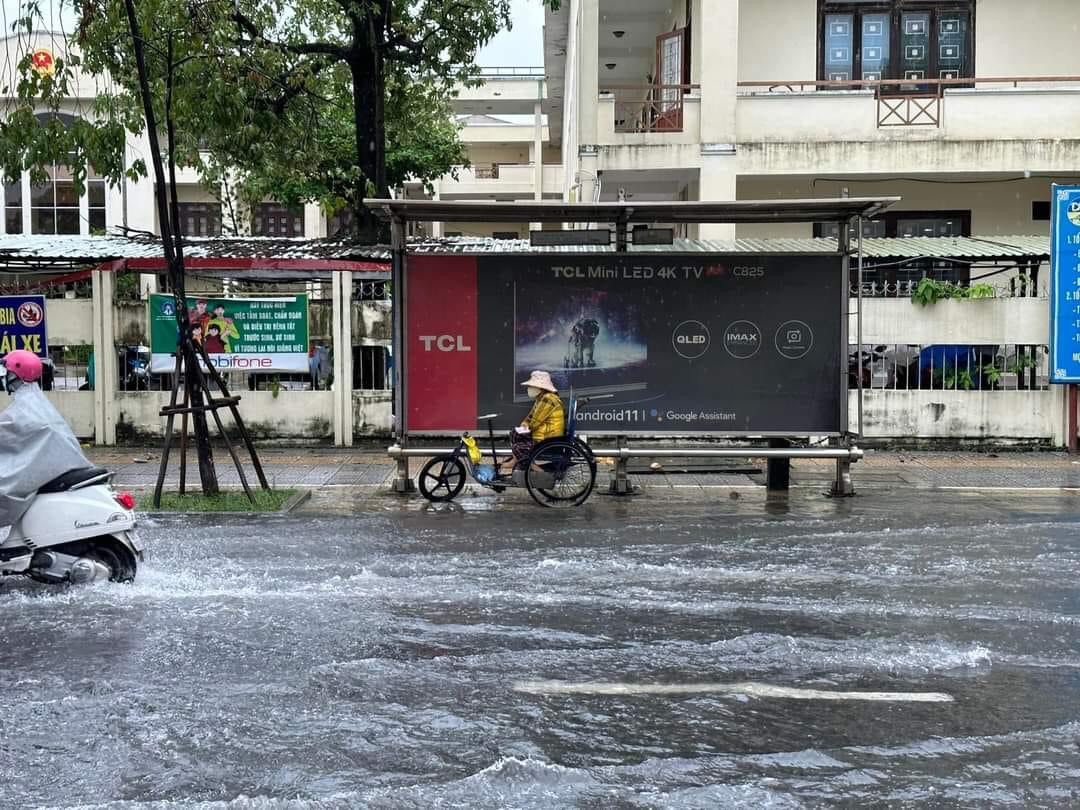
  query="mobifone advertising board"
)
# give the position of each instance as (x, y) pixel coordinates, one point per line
(256, 335)
(698, 343)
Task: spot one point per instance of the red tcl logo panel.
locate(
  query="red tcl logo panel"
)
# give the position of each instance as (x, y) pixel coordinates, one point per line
(440, 332)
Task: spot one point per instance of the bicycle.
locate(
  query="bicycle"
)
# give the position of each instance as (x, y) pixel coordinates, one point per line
(560, 472)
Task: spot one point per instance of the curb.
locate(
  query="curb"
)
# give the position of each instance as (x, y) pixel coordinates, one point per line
(297, 500)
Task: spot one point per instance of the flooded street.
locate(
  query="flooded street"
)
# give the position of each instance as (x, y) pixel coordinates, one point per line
(621, 655)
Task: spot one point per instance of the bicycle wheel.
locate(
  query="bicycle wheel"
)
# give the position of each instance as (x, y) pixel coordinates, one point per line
(560, 473)
(442, 478)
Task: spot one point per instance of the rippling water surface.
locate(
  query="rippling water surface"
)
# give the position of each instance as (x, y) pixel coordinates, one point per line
(370, 661)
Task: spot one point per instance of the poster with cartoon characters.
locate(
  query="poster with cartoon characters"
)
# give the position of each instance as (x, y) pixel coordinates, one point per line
(239, 334)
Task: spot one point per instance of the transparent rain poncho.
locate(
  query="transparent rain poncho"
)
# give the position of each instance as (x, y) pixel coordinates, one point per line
(36, 446)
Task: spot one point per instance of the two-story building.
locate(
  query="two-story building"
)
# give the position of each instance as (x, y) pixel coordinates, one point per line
(969, 110)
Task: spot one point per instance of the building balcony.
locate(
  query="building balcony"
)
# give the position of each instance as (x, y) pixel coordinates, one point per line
(502, 180)
(649, 115)
(997, 124)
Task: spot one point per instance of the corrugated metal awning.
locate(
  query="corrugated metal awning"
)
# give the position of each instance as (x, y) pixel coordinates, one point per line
(310, 258)
(961, 247)
(734, 211)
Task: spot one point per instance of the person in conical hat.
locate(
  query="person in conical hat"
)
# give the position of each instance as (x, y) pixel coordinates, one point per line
(546, 420)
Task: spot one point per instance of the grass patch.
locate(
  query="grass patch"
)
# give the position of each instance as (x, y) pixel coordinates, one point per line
(231, 501)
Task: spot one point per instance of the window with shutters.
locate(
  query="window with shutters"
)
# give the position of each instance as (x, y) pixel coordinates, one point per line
(871, 40)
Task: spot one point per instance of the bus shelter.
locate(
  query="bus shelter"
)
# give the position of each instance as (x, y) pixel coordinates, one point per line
(746, 341)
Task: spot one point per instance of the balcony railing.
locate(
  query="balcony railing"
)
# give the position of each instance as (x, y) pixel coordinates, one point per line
(486, 172)
(904, 102)
(649, 108)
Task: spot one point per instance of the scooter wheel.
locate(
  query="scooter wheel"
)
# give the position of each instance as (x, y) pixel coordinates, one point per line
(442, 478)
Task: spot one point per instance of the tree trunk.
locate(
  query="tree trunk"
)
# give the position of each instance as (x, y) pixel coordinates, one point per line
(173, 257)
(369, 101)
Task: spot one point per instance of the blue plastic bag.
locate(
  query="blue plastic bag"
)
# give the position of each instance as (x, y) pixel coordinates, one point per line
(485, 473)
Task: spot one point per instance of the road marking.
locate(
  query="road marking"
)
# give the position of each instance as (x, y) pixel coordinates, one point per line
(750, 689)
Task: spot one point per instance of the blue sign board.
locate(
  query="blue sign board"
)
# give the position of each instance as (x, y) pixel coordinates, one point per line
(1065, 284)
(22, 324)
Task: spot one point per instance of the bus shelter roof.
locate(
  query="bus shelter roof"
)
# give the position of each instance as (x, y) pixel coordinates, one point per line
(738, 211)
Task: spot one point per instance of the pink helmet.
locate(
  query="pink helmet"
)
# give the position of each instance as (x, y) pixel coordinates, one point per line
(23, 364)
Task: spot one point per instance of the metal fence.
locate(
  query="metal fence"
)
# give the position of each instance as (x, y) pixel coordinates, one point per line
(949, 367)
(946, 285)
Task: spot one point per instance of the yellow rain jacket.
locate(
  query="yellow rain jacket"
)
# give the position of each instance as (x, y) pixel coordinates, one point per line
(547, 419)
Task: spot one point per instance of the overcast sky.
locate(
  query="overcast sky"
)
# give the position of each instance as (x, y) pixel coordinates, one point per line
(520, 47)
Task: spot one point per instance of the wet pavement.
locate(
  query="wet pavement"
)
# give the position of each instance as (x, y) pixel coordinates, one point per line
(371, 468)
(374, 652)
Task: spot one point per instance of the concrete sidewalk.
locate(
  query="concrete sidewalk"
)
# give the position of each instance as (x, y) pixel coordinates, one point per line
(372, 469)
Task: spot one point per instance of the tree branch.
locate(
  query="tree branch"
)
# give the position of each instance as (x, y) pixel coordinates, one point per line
(297, 48)
(411, 51)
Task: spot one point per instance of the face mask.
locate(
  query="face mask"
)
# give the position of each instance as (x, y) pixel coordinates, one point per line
(532, 392)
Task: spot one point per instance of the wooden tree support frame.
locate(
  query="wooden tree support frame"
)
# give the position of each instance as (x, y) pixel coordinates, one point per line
(211, 404)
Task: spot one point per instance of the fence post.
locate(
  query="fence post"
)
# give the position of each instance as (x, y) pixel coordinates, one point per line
(341, 318)
(1071, 439)
(105, 372)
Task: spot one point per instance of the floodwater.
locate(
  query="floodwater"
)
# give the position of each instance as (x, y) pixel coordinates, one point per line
(401, 657)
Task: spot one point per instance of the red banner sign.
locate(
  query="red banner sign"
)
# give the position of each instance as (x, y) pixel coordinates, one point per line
(441, 343)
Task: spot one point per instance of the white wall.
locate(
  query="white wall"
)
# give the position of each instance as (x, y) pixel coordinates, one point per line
(997, 208)
(77, 407)
(777, 40)
(69, 322)
(980, 321)
(372, 413)
(955, 415)
(292, 414)
(1026, 39)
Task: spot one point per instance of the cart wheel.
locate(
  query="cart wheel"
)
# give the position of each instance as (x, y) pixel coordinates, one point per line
(560, 473)
(442, 478)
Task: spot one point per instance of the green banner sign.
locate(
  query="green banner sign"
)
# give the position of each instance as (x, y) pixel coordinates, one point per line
(239, 334)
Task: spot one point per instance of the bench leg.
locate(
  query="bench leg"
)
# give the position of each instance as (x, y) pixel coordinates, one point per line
(403, 482)
(778, 470)
(620, 480)
(842, 486)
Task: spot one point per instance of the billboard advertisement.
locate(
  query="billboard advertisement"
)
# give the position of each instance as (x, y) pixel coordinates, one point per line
(1065, 284)
(22, 324)
(700, 343)
(240, 334)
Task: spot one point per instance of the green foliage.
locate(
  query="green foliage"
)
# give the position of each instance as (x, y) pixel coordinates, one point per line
(1022, 363)
(297, 100)
(930, 291)
(991, 373)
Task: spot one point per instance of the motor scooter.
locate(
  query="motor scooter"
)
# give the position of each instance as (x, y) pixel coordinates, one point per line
(77, 529)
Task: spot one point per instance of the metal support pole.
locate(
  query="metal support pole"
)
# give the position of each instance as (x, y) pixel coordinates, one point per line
(620, 481)
(858, 328)
(841, 486)
(403, 482)
(622, 238)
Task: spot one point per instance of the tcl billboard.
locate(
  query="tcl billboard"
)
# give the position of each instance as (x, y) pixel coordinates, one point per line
(700, 343)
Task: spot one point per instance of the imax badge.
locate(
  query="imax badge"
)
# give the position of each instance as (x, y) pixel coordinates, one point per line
(742, 339)
(445, 343)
